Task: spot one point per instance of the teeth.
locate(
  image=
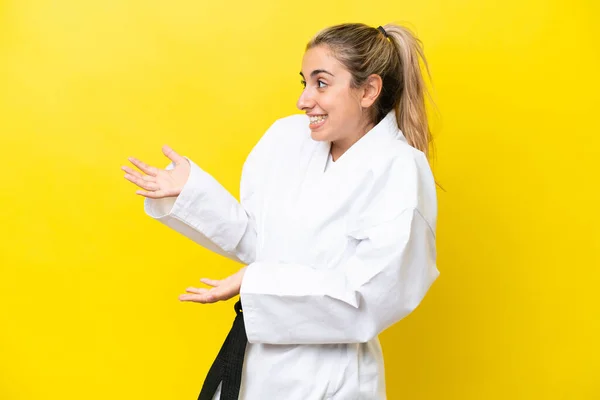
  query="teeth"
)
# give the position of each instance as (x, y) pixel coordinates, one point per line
(318, 118)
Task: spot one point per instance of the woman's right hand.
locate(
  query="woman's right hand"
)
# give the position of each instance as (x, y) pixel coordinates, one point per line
(159, 183)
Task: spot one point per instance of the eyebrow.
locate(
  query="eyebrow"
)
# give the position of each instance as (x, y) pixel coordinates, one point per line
(316, 72)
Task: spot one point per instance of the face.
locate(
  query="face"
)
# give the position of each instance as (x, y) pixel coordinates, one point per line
(338, 112)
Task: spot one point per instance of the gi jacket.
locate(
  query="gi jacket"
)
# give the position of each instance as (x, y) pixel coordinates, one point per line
(334, 256)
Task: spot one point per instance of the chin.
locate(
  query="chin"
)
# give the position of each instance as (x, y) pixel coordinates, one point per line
(319, 136)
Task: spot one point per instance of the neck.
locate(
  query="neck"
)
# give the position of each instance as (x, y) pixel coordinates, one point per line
(339, 147)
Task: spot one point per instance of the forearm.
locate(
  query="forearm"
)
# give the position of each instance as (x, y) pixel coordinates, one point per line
(208, 214)
(379, 285)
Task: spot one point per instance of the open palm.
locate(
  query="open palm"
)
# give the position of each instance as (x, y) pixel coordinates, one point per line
(159, 183)
(221, 290)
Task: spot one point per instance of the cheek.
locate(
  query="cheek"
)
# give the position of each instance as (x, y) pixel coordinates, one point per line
(328, 102)
(346, 101)
(345, 110)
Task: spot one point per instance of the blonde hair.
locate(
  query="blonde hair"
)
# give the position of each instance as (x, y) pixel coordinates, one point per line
(394, 56)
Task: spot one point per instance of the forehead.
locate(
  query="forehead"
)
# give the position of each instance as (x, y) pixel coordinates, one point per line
(320, 57)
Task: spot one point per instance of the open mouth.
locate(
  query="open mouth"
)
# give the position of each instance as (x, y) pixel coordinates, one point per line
(317, 121)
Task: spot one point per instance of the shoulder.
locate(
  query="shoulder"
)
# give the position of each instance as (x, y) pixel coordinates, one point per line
(294, 121)
(282, 138)
(396, 158)
(402, 180)
(289, 129)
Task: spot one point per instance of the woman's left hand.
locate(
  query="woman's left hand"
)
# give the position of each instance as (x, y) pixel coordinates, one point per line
(224, 289)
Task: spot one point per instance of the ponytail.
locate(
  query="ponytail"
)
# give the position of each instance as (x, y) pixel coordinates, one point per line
(410, 109)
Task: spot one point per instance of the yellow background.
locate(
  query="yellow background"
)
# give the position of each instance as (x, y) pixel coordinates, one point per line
(89, 284)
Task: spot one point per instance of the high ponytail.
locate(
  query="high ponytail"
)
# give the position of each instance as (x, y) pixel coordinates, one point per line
(410, 106)
(394, 54)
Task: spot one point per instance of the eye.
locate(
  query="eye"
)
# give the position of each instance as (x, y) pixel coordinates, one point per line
(321, 82)
(303, 83)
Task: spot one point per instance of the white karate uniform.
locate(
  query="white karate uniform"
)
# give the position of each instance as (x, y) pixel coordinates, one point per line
(334, 256)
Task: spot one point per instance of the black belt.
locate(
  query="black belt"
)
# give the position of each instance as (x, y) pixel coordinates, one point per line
(227, 367)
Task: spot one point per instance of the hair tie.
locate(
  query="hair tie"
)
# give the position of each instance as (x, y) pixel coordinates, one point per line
(382, 31)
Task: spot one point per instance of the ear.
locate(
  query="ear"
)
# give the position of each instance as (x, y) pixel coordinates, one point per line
(371, 90)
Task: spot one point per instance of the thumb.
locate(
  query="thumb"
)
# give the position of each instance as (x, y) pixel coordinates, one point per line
(171, 192)
(211, 282)
(173, 155)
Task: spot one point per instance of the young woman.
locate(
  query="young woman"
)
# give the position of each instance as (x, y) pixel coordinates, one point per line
(335, 226)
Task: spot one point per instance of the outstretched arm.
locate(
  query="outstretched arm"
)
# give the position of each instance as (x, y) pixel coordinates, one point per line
(188, 200)
(208, 214)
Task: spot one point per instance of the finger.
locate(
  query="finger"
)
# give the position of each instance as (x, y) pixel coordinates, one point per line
(133, 172)
(172, 155)
(221, 293)
(199, 298)
(211, 282)
(144, 178)
(144, 184)
(137, 174)
(147, 169)
(196, 290)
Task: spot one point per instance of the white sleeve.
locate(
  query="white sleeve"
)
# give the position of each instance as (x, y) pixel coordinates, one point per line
(208, 214)
(392, 268)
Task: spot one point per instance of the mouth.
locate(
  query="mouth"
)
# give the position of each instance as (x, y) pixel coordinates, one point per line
(316, 121)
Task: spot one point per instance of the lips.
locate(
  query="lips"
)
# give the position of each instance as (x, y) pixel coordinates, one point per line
(317, 121)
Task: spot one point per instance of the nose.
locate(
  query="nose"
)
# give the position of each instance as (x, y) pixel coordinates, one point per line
(306, 100)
